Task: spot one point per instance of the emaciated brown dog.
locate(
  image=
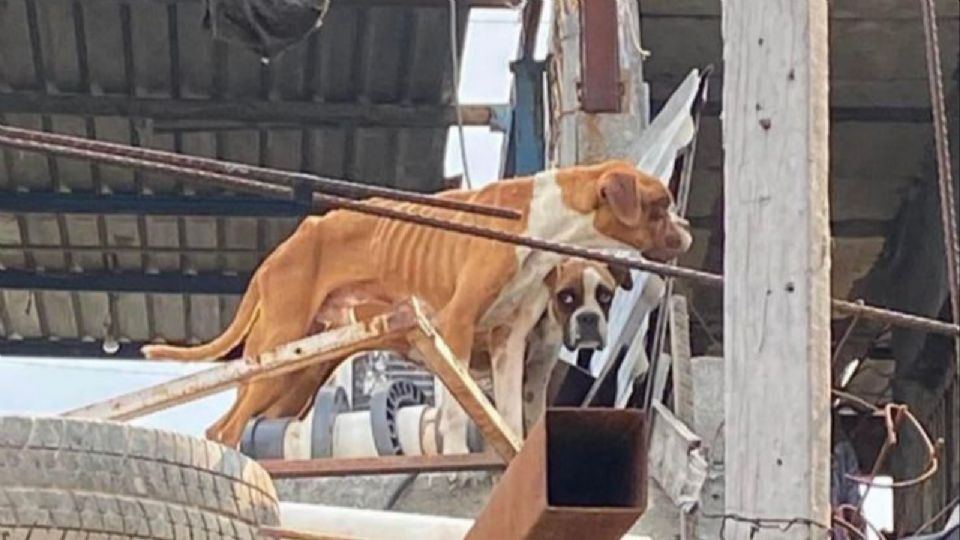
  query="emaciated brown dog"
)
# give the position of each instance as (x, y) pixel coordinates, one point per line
(478, 286)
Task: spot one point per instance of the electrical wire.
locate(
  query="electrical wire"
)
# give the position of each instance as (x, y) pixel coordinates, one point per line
(941, 135)
(455, 63)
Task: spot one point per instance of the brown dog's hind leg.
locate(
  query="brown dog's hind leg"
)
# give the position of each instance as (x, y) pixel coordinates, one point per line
(284, 318)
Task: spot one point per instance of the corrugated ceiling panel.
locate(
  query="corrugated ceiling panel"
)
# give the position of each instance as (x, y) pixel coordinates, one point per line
(384, 55)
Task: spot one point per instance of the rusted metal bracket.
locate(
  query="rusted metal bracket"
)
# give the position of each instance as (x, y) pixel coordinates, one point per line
(582, 473)
(600, 86)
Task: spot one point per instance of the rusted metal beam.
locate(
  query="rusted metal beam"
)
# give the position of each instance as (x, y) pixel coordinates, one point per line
(581, 474)
(600, 87)
(314, 468)
(333, 346)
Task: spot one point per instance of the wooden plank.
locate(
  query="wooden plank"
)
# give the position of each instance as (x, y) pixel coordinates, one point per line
(333, 346)
(454, 375)
(777, 266)
(314, 468)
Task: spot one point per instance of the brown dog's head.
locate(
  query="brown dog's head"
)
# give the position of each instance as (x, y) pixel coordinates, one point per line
(630, 206)
(581, 293)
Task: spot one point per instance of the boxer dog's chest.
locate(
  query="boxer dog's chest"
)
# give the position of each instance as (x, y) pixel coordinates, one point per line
(549, 219)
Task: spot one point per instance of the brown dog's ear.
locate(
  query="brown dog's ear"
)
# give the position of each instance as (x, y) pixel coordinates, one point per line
(619, 190)
(622, 276)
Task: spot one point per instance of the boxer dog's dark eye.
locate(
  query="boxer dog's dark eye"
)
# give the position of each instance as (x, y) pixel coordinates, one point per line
(604, 295)
(566, 297)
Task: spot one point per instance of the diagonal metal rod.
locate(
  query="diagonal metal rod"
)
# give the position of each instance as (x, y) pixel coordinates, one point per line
(322, 202)
(273, 176)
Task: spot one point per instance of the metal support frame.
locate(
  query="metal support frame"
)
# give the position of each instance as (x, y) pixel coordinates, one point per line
(206, 114)
(409, 321)
(125, 282)
(153, 205)
(68, 348)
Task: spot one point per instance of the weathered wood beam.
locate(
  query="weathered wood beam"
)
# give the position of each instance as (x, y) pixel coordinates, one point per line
(777, 265)
(191, 112)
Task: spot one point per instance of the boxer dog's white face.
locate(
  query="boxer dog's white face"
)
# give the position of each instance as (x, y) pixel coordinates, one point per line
(581, 295)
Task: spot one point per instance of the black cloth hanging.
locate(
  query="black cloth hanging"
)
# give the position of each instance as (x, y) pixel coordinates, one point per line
(266, 27)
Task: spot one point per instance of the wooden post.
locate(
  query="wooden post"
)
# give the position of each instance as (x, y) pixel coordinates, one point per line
(777, 267)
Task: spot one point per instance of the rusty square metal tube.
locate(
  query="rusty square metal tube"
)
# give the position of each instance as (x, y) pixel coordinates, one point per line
(599, 56)
(582, 473)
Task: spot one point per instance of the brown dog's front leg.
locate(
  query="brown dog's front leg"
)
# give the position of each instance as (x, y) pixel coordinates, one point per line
(477, 288)
(508, 360)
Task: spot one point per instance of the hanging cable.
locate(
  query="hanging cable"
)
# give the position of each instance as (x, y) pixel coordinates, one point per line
(455, 63)
(948, 210)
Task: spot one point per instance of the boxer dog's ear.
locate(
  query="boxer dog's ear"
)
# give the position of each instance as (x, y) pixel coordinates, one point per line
(619, 190)
(622, 276)
(551, 279)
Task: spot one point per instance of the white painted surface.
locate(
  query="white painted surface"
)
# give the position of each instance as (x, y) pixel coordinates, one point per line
(377, 524)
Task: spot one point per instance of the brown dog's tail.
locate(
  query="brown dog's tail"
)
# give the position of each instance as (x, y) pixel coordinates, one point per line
(247, 313)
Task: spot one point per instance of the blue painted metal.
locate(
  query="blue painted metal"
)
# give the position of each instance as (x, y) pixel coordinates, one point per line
(501, 118)
(525, 151)
(131, 282)
(157, 205)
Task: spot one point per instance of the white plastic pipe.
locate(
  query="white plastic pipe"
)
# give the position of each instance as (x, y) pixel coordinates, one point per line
(376, 524)
(408, 426)
(353, 435)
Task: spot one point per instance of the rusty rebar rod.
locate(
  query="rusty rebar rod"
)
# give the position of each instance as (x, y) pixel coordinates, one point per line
(264, 174)
(323, 202)
(948, 209)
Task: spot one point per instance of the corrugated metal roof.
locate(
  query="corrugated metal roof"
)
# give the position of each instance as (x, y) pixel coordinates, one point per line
(365, 97)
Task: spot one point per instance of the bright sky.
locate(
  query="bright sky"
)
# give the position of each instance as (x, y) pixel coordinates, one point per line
(49, 386)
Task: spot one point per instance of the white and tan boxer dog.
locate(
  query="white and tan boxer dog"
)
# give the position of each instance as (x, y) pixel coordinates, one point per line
(477, 285)
(581, 293)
